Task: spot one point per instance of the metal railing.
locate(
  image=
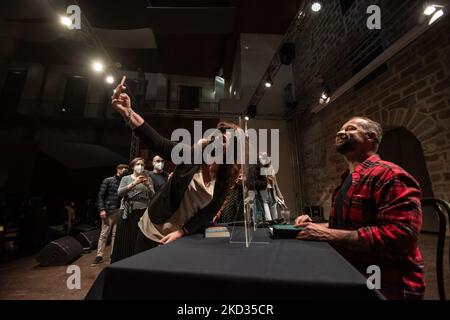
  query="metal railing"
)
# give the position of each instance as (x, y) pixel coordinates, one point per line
(56, 108)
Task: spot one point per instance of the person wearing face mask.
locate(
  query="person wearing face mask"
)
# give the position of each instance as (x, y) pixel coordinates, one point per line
(158, 175)
(136, 191)
(108, 206)
(271, 195)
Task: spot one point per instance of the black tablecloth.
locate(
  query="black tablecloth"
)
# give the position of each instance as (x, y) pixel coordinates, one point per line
(197, 268)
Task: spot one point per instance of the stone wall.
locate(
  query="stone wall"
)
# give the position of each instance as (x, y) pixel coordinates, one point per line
(413, 92)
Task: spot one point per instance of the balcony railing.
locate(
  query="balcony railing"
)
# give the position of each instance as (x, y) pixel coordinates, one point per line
(30, 107)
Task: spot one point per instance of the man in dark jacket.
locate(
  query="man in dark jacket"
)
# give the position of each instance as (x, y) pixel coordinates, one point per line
(108, 204)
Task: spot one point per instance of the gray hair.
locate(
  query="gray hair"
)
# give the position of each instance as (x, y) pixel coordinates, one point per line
(371, 126)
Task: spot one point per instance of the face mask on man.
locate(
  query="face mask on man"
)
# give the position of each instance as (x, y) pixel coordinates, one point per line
(159, 165)
(139, 168)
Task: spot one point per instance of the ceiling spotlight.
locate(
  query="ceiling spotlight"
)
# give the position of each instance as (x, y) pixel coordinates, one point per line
(436, 16)
(324, 101)
(97, 66)
(268, 83)
(247, 118)
(316, 6)
(429, 10)
(325, 97)
(109, 79)
(65, 21)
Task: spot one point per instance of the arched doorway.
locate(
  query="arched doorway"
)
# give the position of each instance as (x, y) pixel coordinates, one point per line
(401, 147)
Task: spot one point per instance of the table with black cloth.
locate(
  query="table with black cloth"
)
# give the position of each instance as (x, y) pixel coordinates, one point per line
(199, 268)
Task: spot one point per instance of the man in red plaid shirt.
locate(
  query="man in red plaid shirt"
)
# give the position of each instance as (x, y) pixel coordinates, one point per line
(376, 215)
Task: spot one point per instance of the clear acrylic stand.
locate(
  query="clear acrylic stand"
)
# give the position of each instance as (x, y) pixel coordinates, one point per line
(243, 231)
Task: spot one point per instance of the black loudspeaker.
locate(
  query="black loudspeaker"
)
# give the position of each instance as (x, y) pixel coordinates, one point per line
(287, 53)
(81, 228)
(60, 252)
(89, 239)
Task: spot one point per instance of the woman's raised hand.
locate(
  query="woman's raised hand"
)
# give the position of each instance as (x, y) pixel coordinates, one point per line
(121, 101)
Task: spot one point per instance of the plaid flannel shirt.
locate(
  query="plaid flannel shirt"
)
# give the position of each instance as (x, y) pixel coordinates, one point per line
(383, 205)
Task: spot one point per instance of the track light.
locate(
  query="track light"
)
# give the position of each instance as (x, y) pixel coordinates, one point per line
(109, 79)
(268, 83)
(325, 97)
(316, 6)
(97, 66)
(436, 16)
(435, 11)
(66, 21)
(429, 10)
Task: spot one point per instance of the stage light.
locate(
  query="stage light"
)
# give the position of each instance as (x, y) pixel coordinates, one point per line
(316, 6)
(429, 10)
(436, 16)
(97, 66)
(109, 79)
(65, 21)
(325, 97)
(435, 11)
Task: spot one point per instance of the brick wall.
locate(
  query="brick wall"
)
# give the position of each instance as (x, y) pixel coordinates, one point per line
(414, 93)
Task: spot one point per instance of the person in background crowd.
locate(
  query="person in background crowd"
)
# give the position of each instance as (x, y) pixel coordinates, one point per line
(158, 175)
(376, 215)
(271, 195)
(108, 206)
(136, 191)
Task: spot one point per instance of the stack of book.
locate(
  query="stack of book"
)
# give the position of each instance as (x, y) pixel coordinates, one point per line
(217, 232)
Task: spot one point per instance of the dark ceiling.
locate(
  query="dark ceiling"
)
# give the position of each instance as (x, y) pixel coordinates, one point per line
(193, 37)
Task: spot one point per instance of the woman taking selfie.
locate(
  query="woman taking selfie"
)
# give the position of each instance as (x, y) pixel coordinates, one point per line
(136, 190)
(188, 202)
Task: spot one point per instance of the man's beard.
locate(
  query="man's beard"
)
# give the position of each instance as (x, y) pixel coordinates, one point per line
(346, 146)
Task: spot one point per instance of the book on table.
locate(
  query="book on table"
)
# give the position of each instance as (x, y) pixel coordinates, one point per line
(217, 232)
(285, 231)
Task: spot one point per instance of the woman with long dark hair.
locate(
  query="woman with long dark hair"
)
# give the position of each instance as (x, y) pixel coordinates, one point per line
(188, 202)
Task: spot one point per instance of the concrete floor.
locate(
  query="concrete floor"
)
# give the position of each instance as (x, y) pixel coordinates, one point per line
(24, 279)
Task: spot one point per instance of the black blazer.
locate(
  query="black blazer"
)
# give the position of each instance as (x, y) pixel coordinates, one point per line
(168, 199)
